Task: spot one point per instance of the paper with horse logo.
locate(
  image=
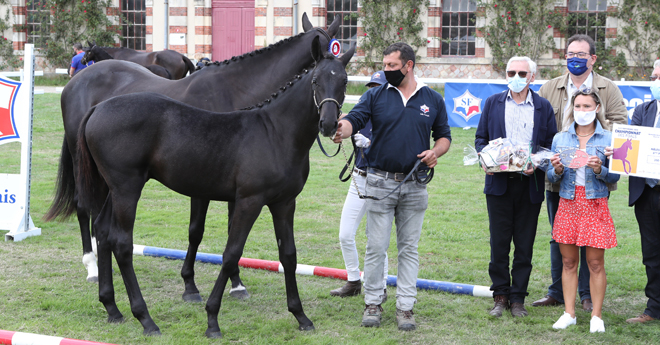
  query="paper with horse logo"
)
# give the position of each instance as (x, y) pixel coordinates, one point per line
(636, 151)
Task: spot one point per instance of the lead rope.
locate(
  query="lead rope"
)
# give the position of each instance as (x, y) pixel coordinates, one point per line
(343, 151)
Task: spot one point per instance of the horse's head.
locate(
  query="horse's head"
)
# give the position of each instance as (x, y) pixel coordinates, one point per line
(89, 53)
(324, 35)
(329, 85)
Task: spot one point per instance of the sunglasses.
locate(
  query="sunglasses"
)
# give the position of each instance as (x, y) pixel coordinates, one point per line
(511, 74)
(653, 77)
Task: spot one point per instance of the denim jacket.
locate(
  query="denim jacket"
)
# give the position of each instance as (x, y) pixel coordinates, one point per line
(595, 186)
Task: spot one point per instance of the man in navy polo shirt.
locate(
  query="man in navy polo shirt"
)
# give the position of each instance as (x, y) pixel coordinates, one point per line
(76, 65)
(404, 112)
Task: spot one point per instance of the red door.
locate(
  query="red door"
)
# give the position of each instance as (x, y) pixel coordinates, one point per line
(233, 28)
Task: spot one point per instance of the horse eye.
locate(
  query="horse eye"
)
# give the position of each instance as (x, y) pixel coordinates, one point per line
(314, 81)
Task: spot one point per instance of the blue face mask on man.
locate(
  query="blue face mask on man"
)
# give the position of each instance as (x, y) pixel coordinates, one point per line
(576, 65)
(655, 89)
(516, 83)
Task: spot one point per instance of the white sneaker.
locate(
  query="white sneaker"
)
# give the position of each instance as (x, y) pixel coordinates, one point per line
(597, 325)
(564, 321)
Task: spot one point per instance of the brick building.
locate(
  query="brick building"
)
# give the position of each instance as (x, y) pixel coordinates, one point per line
(219, 29)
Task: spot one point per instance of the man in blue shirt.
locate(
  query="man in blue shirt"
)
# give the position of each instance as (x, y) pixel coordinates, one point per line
(76, 66)
(514, 199)
(404, 112)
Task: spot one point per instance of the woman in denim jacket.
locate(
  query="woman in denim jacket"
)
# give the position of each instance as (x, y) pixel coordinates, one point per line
(583, 218)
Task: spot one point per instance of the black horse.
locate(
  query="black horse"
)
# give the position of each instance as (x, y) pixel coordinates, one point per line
(227, 86)
(253, 158)
(176, 64)
(97, 54)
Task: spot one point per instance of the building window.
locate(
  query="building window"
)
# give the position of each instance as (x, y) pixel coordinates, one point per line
(587, 17)
(37, 14)
(458, 27)
(133, 27)
(347, 33)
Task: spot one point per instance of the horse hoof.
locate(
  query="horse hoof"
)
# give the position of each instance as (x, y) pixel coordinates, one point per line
(116, 319)
(152, 333)
(192, 298)
(93, 279)
(306, 328)
(239, 293)
(213, 334)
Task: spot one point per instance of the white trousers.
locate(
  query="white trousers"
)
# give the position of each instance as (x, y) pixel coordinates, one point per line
(351, 216)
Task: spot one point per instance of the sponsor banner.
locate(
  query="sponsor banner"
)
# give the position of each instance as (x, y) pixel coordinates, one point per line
(636, 151)
(465, 101)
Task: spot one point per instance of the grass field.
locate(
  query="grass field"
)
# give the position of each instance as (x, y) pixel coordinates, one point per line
(43, 288)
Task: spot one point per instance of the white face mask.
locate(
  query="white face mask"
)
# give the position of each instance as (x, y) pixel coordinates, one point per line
(517, 84)
(584, 118)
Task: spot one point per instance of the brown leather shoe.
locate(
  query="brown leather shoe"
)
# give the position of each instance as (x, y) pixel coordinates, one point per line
(501, 304)
(547, 301)
(518, 310)
(587, 305)
(349, 289)
(640, 319)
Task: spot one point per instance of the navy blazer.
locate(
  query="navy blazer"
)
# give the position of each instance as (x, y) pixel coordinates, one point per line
(492, 126)
(644, 115)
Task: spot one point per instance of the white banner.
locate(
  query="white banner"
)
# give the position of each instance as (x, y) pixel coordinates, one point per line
(16, 126)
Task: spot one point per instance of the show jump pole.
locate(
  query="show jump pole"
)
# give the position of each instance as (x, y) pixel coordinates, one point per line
(275, 266)
(20, 338)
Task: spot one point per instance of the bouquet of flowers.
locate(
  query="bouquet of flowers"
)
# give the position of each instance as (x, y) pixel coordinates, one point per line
(505, 155)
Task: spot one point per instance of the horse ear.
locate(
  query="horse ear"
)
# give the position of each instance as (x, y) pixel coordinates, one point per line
(317, 50)
(346, 58)
(332, 29)
(89, 44)
(307, 25)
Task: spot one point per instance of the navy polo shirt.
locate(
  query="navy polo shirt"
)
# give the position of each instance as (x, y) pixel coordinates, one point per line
(400, 131)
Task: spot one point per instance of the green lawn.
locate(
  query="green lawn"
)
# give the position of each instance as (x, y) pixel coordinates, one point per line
(43, 288)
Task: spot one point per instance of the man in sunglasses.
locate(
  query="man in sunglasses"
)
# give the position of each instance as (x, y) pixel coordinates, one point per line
(580, 60)
(644, 194)
(514, 199)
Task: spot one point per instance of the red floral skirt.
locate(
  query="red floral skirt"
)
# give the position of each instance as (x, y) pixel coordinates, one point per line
(584, 222)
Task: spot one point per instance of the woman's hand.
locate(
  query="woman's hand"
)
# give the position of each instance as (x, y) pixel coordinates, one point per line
(556, 163)
(595, 163)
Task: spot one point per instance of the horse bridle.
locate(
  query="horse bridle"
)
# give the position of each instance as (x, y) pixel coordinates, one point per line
(318, 109)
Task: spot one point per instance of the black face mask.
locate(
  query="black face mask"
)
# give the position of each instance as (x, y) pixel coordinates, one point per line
(394, 77)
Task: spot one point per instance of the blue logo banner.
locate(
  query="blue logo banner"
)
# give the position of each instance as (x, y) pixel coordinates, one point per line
(465, 101)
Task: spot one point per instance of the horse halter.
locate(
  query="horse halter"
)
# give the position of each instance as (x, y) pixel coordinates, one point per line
(319, 105)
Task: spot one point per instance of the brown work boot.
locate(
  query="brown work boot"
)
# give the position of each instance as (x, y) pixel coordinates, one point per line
(640, 319)
(349, 289)
(405, 320)
(501, 304)
(587, 305)
(518, 310)
(372, 315)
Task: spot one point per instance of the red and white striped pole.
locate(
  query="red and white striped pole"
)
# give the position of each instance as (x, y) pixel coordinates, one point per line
(20, 338)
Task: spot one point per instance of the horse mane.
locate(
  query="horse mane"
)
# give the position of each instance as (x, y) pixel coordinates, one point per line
(288, 84)
(256, 52)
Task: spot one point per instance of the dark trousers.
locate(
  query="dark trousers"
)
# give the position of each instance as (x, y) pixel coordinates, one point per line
(647, 212)
(555, 289)
(512, 216)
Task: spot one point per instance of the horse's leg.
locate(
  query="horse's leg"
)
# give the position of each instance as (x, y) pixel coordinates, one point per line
(120, 237)
(89, 258)
(102, 225)
(245, 214)
(198, 209)
(283, 223)
(238, 289)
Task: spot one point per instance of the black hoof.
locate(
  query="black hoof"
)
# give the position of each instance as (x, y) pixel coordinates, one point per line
(213, 334)
(93, 279)
(116, 319)
(152, 333)
(306, 328)
(239, 294)
(192, 298)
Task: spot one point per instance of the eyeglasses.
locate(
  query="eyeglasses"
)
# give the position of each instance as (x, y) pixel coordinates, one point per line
(654, 77)
(581, 55)
(511, 74)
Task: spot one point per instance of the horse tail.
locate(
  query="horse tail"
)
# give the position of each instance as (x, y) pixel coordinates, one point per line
(91, 190)
(65, 188)
(189, 64)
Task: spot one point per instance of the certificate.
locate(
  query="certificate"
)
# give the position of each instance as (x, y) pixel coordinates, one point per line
(636, 151)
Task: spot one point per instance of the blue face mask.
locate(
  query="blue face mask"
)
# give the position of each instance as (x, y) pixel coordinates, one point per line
(655, 89)
(517, 84)
(577, 66)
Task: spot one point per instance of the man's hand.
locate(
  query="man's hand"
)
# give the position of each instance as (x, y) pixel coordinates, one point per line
(344, 130)
(429, 158)
(337, 139)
